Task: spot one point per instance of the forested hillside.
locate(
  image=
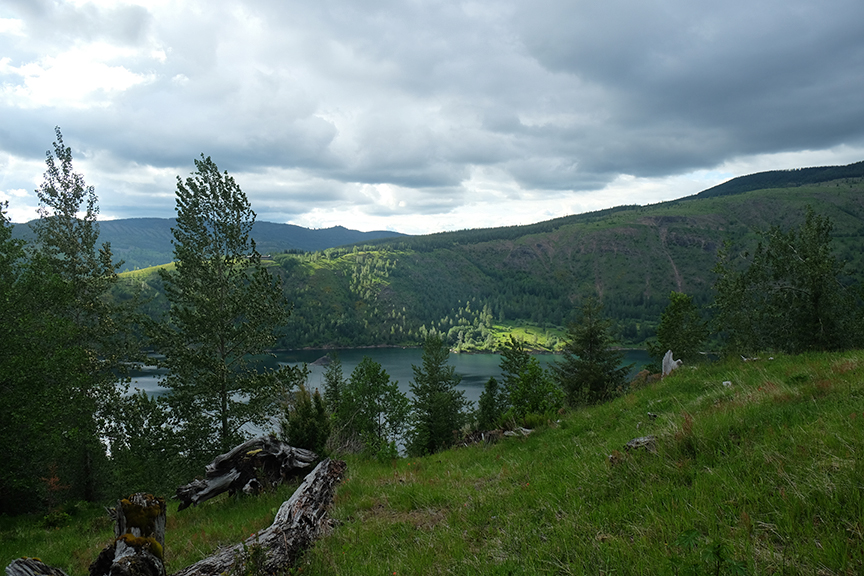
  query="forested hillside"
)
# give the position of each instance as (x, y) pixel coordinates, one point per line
(395, 291)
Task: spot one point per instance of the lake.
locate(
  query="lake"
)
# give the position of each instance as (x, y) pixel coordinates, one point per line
(475, 369)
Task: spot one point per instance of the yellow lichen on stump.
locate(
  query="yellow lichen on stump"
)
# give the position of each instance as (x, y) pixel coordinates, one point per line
(143, 543)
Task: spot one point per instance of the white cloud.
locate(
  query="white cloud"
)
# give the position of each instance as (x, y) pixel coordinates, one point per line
(428, 116)
(79, 78)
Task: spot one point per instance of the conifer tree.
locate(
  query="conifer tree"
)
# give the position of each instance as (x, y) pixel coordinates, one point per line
(590, 370)
(437, 408)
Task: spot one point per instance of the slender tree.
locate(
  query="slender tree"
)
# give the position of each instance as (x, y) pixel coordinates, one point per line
(590, 371)
(372, 407)
(334, 382)
(226, 309)
(67, 233)
(437, 408)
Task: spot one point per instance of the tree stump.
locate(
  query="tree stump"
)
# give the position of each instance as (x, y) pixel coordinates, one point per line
(300, 520)
(244, 468)
(139, 531)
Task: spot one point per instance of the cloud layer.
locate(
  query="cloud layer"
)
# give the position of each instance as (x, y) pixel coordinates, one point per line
(421, 115)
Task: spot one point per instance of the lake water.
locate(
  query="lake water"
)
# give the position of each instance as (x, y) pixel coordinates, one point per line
(475, 369)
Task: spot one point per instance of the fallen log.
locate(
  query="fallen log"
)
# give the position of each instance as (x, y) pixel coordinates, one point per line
(299, 522)
(139, 539)
(32, 567)
(244, 468)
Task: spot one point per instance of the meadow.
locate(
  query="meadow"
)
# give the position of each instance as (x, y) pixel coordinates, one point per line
(758, 469)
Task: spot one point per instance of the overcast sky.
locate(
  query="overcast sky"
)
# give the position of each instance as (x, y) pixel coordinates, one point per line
(421, 116)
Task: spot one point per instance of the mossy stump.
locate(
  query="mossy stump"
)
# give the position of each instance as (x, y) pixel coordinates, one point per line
(139, 539)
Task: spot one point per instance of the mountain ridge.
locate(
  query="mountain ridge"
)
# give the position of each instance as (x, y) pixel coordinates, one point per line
(144, 242)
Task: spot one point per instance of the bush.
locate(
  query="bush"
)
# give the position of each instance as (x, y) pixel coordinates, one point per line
(306, 423)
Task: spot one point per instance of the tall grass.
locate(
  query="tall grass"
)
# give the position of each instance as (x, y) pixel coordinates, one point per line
(764, 475)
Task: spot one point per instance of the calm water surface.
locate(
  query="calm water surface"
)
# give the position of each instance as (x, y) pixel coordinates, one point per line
(475, 369)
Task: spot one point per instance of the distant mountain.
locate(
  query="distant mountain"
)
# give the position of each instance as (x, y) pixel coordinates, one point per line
(144, 242)
(784, 179)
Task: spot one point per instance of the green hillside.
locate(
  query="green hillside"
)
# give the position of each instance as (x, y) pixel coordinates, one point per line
(472, 284)
(762, 475)
(632, 258)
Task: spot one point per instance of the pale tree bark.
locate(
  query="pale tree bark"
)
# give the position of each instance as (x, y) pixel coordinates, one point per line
(262, 459)
(299, 522)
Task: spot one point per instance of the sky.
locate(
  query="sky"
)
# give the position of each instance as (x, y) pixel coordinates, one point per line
(421, 116)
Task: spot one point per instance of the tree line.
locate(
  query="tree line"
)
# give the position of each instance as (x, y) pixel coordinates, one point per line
(73, 431)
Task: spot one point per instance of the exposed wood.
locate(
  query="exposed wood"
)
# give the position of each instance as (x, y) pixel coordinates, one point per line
(244, 468)
(669, 364)
(32, 567)
(300, 520)
(139, 539)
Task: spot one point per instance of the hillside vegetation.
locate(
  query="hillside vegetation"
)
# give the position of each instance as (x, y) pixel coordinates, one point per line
(758, 470)
(473, 283)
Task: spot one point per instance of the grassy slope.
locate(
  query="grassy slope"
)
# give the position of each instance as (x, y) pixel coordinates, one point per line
(770, 468)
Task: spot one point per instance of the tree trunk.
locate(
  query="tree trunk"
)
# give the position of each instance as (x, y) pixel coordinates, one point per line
(139, 531)
(262, 459)
(299, 521)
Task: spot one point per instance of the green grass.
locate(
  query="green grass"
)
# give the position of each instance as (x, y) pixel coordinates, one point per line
(765, 476)
(769, 471)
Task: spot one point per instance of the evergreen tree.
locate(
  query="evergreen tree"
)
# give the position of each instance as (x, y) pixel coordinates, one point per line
(334, 382)
(226, 309)
(438, 408)
(491, 405)
(305, 422)
(42, 366)
(681, 330)
(590, 370)
(514, 361)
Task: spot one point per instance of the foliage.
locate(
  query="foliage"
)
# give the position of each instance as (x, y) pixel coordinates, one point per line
(225, 308)
(64, 346)
(305, 422)
(147, 441)
(334, 382)
(681, 330)
(791, 295)
(514, 361)
(372, 407)
(590, 370)
(534, 391)
(438, 409)
(38, 358)
(528, 388)
(490, 406)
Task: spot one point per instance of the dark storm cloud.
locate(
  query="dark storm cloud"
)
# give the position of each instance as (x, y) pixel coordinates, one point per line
(400, 108)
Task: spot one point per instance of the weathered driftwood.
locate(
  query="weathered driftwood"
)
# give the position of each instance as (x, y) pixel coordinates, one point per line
(32, 567)
(669, 364)
(139, 539)
(300, 520)
(243, 468)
